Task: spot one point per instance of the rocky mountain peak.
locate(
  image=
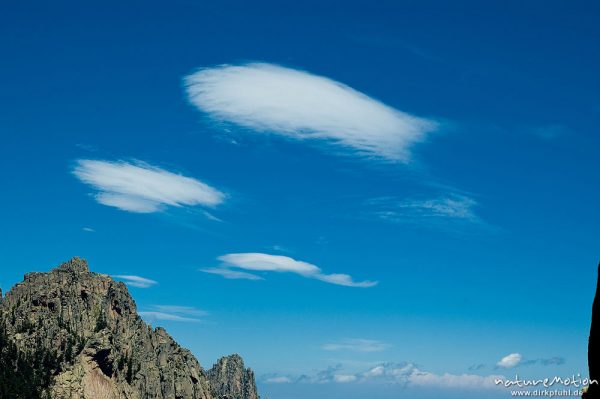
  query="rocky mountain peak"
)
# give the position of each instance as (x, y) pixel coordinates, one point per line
(230, 379)
(75, 265)
(92, 344)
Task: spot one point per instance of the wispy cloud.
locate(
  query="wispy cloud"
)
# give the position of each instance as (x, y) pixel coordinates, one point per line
(143, 188)
(187, 310)
(173, 313)
(453, 207)
(231, 274)
(510, 361)
(477, 367)
(259, 262)
(88, 230)
(154, 315)
(357, 345)
(276, 379)
(403, 374)
(300, 105)
(452, 213)
(550, 132)
(552, 361)
(136, 281)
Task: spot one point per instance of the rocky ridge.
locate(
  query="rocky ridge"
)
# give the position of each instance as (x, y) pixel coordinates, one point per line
(71, 333)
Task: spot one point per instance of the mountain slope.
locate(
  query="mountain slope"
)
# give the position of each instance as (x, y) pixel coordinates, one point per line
(71, 333)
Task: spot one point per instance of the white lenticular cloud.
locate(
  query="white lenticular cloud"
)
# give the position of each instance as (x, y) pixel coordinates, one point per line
(300, 105)
(259, 262)
(143, 188)
(510, 361)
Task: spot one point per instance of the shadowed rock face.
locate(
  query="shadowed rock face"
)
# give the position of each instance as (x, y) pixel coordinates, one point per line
(100, 347)
(594, 346)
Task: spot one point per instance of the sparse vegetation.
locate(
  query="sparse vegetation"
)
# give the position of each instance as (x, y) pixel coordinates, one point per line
(101, 322)
(24, 375)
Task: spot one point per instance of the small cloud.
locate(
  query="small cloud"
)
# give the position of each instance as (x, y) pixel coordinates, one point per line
(452, 207)
(173, 313)
(86, 147)
(136, 281)
(323, 376)
(88, 229)
(553, 361)
(477, 367)
(142, 188)
(187, 310)
(510, 361)
(259, 262)
(302, 106)
(277, 380)
(357, 345)
(374, 372)
(279, 248)
(550, 132)
(212, 217)
(322, 241)
(152, 315)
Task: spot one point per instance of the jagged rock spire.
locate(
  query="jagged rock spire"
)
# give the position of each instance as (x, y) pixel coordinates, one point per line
(75, 264)
(231, 380)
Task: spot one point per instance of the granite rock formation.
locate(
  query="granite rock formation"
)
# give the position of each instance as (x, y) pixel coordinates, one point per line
(71, 333)
(230, 380)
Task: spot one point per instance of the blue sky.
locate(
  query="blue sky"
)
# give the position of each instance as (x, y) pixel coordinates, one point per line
(360, 199)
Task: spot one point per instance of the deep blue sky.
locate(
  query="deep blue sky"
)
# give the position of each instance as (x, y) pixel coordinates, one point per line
(513, 85)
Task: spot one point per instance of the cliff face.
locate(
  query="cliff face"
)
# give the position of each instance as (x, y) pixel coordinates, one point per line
(594, 346)
(77, 334)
